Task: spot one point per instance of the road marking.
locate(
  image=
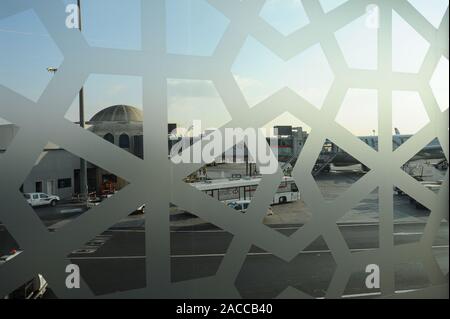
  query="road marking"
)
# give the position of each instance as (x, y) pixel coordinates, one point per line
(186, 231)
(84, 251)
(74, 210)
(106, 257)
(350, 224)
(93, 245)
(407, 234)
(275, 228)
(369, 294)
(222, 254)
(378, 293)
(125, 231)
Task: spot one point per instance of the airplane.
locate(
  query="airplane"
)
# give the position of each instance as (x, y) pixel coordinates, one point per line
(432, 151)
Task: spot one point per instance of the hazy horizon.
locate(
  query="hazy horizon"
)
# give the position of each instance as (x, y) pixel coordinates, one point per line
(194, 27)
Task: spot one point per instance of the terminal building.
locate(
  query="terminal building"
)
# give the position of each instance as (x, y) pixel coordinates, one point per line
(290, 142)
(57, 171)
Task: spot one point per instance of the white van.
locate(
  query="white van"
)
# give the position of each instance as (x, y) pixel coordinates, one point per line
(41, 199)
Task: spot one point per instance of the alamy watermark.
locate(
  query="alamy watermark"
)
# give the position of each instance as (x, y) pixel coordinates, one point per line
(73, 279)
(72, 20)
(231, 144)
(373, 16)
(373, 279)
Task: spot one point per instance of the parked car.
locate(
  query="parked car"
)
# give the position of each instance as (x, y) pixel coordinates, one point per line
(92, 202)
(33, 289)
(139, 211)
(95, 201)
(41, 199)
(435, 187)
(240, 205)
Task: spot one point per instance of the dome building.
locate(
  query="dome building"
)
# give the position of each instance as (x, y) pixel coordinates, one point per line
(121, 125)
(57, 171)
(118, 113)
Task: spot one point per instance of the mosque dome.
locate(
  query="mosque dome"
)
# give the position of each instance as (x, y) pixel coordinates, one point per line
(118, 113)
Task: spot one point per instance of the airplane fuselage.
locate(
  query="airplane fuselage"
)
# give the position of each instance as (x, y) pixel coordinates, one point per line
(432, 151)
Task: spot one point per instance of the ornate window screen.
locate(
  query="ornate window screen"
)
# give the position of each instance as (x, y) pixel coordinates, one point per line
(46, 252)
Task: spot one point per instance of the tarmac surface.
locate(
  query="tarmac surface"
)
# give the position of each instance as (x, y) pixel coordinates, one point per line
(115, 260)
(119, 263)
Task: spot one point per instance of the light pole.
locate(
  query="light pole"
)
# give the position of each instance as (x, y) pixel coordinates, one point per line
(83, 166)
(52, 70)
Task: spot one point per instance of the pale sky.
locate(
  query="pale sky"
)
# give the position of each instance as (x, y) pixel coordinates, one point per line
(194, 27)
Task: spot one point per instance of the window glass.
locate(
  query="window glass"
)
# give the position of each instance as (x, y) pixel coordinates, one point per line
(282, 188)
(109, 137)
(65, 183)
(229, 193)
(124, 141)
(250, 191)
